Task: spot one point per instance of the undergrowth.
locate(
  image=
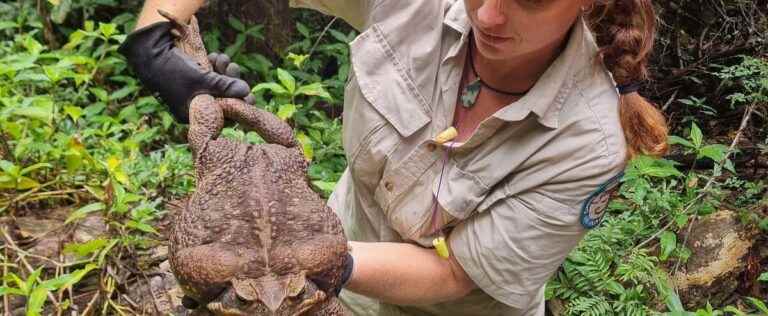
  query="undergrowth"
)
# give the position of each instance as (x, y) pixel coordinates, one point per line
(80, 133)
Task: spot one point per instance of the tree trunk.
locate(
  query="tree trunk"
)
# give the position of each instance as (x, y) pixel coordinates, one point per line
(275, 15)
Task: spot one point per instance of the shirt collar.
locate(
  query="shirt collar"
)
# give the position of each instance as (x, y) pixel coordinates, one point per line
(456, 18)
(548, 95)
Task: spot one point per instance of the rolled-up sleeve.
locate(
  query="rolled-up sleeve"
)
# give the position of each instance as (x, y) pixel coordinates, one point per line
(514, 246)
(511, 249)
(356, 12)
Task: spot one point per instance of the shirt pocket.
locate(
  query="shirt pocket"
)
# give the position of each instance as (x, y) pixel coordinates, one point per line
(382, 106)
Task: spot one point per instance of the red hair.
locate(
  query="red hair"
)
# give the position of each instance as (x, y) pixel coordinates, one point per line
(625, 31)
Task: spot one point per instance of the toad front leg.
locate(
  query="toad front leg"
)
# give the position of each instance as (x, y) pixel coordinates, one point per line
(206, 119)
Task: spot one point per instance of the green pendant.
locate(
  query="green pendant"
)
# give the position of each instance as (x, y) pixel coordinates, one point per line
(471, 91)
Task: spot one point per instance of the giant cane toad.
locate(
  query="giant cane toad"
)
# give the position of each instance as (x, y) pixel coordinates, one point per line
(254, 239)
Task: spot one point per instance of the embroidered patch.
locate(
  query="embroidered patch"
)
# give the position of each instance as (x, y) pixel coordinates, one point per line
(593, 209)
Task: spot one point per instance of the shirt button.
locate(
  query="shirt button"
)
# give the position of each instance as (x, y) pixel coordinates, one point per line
(431, 147)
(389, 186)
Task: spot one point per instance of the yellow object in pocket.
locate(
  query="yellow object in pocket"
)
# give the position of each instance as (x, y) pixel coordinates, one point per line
(441, 247)
(446, 135)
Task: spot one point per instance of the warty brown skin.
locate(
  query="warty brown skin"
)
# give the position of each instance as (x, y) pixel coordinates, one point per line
(254, 235)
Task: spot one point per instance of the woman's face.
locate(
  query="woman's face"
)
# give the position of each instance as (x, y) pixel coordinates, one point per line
(510, 28)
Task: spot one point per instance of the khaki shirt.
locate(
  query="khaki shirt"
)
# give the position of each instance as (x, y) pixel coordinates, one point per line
(512, 193)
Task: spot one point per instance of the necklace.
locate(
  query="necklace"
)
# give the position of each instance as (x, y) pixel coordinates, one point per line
(472, 90)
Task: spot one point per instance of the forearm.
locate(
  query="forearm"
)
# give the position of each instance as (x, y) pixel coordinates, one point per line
(405, 274)
(182, 9)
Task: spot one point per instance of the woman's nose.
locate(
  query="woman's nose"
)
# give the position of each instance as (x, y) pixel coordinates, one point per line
(491, 13)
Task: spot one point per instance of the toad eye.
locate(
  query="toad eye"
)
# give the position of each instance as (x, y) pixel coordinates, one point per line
(241, 301)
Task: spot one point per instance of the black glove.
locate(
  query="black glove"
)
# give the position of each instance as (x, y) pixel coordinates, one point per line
(173, 75)
(349, 264)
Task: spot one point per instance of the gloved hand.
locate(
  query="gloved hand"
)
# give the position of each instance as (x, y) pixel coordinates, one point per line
(174, 76)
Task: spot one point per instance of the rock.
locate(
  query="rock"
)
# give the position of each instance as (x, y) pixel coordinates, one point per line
(40, 237)
(46, 236)
(162, 296)
(720, 245)
(555, 307)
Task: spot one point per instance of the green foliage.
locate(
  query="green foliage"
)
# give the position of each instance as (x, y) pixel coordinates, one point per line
(37, 290)
(750, 78)
(620, 268)
(73, 119)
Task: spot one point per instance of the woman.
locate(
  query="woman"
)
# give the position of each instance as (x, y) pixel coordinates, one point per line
(494, 131)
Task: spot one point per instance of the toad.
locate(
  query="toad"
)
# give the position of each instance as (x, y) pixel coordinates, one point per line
(254, 238)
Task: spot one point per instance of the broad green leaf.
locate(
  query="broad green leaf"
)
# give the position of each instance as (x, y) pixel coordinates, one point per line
(673, 302)
(32, 45)
(32, 279)
(75, 38)
(11, 291)
(303, 29)
(728, 165)
(36, 301)
(297, 60)
(96, 192)
(236, 24)
(760, 305)
(25, 183)
(27, 76)
(14, 129)
(661, 172)
(763, 224)
(41, 111)
(668, 244)
(87, 248)
(287, 80)
(696, 136)
(121, 176)
(123, 92)
(7, 25)
(274, 87)
(107, 29)
(34, 167)
(114, 165)
(141, 226)
(67, 280)
(715, 152)
(74, 156)
(10, 168)
(20, 284)
(763, 277)
(677, 140)
(681, 220)
(100, 93)
(314, 89)
(286, 111)
(306, 145)
(734, 310)
(74, 112)
(324, 185)
(84, 211)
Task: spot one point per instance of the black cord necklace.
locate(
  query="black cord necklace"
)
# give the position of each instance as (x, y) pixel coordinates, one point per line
(472, 90)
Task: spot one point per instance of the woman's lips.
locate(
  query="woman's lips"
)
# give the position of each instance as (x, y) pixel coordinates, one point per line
(491, 39)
